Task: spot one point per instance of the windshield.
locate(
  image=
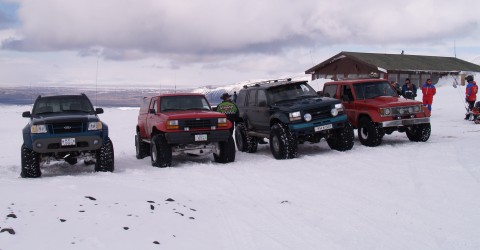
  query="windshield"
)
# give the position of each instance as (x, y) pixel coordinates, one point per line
(291, 92)
(58, 104)
(194, 102)
(370, 90)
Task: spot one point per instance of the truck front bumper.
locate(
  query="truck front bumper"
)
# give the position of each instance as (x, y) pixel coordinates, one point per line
(318, 126)
(405, 122)
(197, 137)
(54, 145)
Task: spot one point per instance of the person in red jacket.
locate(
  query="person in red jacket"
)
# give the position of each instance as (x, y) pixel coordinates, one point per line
(428, 90)
(470, 94)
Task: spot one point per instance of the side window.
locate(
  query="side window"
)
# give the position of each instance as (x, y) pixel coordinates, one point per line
(261, 97)
(153, 105)
(346, 90)
(241, 98)
(251, 98)
(330, 91)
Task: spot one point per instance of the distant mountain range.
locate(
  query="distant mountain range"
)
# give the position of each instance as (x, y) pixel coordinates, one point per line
(105, 97)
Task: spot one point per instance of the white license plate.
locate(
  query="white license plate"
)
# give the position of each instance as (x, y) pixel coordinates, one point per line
(68, 141)
(324, 127)
(202, 137)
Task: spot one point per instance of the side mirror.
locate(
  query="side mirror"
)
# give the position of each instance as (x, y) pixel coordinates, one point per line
(151, 111)
(320, 93)
(262, 104)
(98, 111)
(26, 114)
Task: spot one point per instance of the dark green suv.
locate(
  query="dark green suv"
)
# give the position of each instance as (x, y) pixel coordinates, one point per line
(289, 113)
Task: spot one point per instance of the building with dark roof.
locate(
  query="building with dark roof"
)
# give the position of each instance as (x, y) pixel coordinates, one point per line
(394, 67)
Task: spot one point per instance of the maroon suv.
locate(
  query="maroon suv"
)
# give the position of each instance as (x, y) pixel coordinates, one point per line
(375, 109)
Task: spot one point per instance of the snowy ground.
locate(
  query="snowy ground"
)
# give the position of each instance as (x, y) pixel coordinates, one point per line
(400, 195)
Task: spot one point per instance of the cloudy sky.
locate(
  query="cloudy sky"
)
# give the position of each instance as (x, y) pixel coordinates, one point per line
(213, 42)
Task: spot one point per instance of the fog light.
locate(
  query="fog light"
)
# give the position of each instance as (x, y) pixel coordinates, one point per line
(307, 117)
(334, 112)
(95, 142)
(39, 145)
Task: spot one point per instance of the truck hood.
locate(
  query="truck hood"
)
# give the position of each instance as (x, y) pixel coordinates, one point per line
(305, 104)
(62, 117)
(388, 101)
(188, 114)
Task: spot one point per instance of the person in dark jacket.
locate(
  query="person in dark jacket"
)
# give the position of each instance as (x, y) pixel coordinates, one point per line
(470, 94)
(409, 90)
(235, 96)
(428, 90)
(228, 108)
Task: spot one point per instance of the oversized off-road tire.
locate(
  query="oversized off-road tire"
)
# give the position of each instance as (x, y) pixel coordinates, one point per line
(245, 143)
(105, 157)
(160, 151)
(419, 132)
(30, 163)
(226, 152)
(369, 134)
(341, 139)
(282, 142)
(141, 148)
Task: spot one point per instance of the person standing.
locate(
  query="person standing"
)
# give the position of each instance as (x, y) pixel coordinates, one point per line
(428, 90)
(470, 94)
(235, 96)
(409, 90)
(228, 108)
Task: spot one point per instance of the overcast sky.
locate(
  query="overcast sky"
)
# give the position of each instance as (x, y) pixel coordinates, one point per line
(207, 42)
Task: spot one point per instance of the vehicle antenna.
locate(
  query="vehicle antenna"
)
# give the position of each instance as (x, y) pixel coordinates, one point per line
(454, 49)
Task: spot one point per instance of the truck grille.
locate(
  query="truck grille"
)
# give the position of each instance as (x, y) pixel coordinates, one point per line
(320, 113)
(197, 124)
(65, 128)
(408, 110)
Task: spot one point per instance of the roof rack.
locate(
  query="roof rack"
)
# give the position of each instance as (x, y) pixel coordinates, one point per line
(257, 84)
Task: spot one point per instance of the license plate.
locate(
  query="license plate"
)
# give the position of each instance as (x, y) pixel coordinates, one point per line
(324, 127)
(68, 141)
(202, 137)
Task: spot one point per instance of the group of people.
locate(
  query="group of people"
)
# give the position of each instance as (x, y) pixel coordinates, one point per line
(409, 91)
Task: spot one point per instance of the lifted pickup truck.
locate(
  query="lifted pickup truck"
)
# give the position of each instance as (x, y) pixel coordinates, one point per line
(182, 123)
(67, 128)
(375, 109)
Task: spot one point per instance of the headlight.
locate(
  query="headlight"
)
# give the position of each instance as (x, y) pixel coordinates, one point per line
(307, 117)
(417, 108)
(334, 112)
(385, 112)
(222, 122)
(94, 125)
(295, 116)
(172, 124)
(336, 109)
(339, 107)
(38, 129)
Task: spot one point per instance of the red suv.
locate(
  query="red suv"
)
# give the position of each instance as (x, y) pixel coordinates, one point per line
(375, 109)
(182, 123)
